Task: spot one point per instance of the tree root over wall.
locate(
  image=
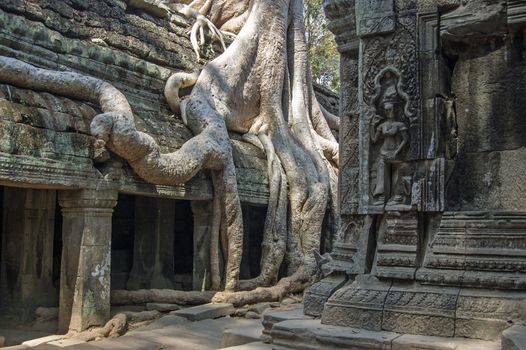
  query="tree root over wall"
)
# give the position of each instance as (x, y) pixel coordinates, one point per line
(260, 87)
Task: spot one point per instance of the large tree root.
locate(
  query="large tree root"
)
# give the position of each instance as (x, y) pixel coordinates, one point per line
(117, 326)
(166, 296)
(288, 285)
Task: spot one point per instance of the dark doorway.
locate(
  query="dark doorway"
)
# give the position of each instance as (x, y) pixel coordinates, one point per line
(253, 225)
(122, 240)
(183, 245)
(57, 246)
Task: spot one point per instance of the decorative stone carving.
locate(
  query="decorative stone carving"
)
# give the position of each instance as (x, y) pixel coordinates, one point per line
(375, 17)
(440, 176)
(478, 249)
(389, 136)
(398, 246)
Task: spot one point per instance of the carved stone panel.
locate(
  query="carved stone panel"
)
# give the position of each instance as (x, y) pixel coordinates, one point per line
(390, 124)
(478, 249)
(398, 246)
(374, 17)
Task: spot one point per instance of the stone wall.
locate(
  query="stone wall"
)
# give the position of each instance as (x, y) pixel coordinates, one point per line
(46, 138)
(432, 187)
(46, 148)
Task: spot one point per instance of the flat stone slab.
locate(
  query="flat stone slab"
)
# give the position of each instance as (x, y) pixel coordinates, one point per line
(206, 311)
(312, 335)
(255, 346)
(65, 343)
(420, 342)
(241, 335)
(162, 307)
(272, 317)
(514, 338)
(43, 340)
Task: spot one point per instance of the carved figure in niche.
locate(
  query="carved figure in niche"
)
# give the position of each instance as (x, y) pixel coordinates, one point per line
(388, 129)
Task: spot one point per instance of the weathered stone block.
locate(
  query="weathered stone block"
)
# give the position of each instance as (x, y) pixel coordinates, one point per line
(162, 307)
(317, 295)
(241, 335)
(485, 314)
(203, 312)
(255, 346)
(272, 317)
(312, 335)
(419, 342)
(359, 304)
(514, 338)
(416, 310)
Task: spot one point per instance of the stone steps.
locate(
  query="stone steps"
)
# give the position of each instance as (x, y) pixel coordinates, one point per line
(206, 311)
(312, 335)
(256, 346)
(272, 317)
(241, 335)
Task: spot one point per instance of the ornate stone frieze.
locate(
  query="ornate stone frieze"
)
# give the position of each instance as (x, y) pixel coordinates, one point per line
(478, 249)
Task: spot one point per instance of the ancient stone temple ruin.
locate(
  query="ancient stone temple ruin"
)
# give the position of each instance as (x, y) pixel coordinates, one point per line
(433, 164)
(74, 216)
(428, 250)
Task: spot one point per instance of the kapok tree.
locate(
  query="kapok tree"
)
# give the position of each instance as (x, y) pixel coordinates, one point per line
(260, 87)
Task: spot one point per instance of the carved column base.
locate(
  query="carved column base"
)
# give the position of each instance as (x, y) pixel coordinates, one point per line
(317, 295)
(425, 310)
(398, 246)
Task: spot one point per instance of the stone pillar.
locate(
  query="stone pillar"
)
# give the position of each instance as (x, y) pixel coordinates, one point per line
(153, 249)
(202, 211)
(27, 250)
(86, 257)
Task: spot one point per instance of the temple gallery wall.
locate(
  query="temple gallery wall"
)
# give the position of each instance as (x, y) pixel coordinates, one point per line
(430, 237)
(69, 224)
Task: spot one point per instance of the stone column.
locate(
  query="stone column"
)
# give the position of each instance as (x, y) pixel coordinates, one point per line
(27, 250)
(153, 249)
(202, 211)
(86, 257)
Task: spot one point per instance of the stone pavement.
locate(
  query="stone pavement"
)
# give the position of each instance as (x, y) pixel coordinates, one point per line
(288, 328)
(169, 332)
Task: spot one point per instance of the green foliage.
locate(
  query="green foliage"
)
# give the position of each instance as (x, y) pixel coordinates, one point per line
(323, 55)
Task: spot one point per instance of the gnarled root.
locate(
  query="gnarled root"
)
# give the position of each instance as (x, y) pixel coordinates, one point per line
(117, 326)
(287, 285)
(275, 230)
(167, 296)
(176, 82)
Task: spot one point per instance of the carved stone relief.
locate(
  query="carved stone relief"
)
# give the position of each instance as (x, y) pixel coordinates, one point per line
(389, 139)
